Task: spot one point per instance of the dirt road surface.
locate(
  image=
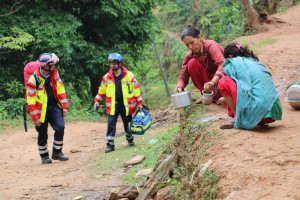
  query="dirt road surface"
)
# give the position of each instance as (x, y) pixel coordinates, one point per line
(261, 164)
(22, 176)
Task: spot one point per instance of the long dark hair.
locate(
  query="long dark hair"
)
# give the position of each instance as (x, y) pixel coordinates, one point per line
(235, 49)
(190, 30)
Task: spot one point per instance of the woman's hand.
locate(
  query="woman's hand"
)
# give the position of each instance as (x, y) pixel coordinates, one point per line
(178, 89)
(209, 86)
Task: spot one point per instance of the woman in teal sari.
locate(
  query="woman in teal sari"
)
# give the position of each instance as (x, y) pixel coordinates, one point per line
(248, 90)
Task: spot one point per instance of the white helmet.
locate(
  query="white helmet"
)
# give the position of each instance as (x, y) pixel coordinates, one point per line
(54, 58)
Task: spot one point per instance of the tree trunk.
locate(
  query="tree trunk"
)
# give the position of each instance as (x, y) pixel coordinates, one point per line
(271, 5)
(251, 15)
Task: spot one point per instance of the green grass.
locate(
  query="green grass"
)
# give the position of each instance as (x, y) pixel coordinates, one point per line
(208, 188)
(157, 96)
(194, 142)
(12, 125)
(254, 46)
(109, 163)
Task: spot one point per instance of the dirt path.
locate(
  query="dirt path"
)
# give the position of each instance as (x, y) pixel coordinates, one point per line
(265, 163)
(23, 177)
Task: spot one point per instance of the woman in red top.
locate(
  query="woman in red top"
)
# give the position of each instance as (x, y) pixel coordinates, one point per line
(203, 62)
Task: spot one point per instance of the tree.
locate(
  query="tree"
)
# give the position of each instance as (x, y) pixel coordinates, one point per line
(253, 18)
(257, 13)
(81, 33)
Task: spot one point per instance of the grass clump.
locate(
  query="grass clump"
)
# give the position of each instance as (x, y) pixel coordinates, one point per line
(152, 144)
(192, 144)
(263, 43)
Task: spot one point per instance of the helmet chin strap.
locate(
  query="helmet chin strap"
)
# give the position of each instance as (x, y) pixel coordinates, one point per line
(117, 67)
(47, 70)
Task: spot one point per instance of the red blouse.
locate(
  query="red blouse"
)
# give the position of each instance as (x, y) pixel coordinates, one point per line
(211, 59)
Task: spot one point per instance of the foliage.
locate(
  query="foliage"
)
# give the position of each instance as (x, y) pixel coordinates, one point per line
(17, 41)
(208, 190)
(81, 33)
(11, 108)
(14, 89)
(223, 22)
(218, 20)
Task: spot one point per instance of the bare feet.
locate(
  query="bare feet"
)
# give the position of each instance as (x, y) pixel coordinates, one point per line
(221, 102)
(199, 101)
(228, 124)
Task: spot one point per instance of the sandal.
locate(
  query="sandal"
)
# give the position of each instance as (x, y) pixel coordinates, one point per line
(228, 125)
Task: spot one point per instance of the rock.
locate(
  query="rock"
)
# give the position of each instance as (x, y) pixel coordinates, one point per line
(162, 194)
(79, 198)
(130, 192)
(75, 150)
(232, 196)
(113, 196)
(135, 160)
(143, 172)
(247, 159)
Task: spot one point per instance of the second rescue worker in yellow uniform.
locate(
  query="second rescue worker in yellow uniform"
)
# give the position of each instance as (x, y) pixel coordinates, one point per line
(122, 95)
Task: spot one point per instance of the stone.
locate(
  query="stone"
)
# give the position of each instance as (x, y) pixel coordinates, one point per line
(75, 150)
(162, 194)
(135, 160)
(79, 198)
(113, 196)
(143, 172)
(130, 192)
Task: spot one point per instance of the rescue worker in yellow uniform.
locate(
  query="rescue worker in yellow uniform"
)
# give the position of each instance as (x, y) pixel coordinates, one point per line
(122, 95)
(47, 103)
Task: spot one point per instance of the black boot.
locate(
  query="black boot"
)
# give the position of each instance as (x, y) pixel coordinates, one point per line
(131, 143)
(59, 156)
(46, 160)
(130, 139)
(109, 148)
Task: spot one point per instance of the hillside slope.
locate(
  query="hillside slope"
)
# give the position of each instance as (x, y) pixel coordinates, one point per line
(265, 163)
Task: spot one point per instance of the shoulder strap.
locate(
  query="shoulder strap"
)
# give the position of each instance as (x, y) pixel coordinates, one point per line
(37, 80)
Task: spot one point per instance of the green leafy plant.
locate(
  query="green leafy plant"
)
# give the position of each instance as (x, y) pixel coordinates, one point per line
(12, 108)
(15, 89)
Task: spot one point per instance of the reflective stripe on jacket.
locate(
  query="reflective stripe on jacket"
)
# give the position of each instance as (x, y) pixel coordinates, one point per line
(37, 96)
(130, 89)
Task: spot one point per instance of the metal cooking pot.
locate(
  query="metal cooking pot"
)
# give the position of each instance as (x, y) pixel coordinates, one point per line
(293, 95)
(181, 99)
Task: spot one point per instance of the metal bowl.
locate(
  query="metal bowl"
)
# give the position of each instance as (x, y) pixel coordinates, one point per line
(293, 93)
(294, 104)
(181, 99)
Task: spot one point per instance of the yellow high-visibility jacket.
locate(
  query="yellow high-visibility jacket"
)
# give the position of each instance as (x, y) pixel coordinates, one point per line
(37, 97)
(130, 89)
